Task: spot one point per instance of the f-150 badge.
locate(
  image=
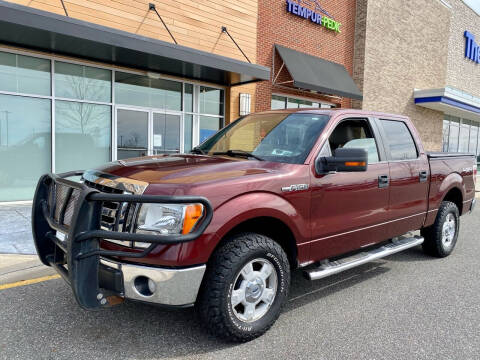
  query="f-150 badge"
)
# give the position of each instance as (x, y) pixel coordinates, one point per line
(297, 187)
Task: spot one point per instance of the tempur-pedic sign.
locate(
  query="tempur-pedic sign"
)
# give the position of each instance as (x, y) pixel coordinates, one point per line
(472, 50)
(305, 11)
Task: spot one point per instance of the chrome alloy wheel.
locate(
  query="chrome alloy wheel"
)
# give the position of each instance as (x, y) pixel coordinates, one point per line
(254, 290)
(448, 230)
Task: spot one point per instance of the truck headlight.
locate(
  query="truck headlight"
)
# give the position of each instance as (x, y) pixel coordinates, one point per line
(168, 219)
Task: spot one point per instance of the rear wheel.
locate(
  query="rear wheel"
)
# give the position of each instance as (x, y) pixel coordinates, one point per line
(245, 287)
(441, 237)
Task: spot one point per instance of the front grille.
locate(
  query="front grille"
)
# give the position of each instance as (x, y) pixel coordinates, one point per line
(62, 199)
(115, 216)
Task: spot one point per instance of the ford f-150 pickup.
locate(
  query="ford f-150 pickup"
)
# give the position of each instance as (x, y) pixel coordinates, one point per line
(223, 227)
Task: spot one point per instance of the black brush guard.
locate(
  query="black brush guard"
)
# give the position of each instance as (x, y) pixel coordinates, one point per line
(74, 209)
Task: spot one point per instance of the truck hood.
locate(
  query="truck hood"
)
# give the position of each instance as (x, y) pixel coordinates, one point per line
(177, 174)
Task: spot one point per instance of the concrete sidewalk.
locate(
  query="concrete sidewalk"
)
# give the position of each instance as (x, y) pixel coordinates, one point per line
(15, 229)
(15, 268)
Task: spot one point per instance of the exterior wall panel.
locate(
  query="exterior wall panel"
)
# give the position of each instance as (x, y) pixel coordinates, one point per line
(196, 24)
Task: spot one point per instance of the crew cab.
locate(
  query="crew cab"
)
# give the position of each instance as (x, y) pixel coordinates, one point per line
(222, 228)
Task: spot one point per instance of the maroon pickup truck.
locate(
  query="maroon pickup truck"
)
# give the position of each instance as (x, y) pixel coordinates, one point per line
(223, 227)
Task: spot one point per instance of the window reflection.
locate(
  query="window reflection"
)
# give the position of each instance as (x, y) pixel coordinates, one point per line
(24, 74)
(208, 127)
(24, 145)
(400, 140)
(211, 101)
(139, 90)
(82, 82)
(82, 135)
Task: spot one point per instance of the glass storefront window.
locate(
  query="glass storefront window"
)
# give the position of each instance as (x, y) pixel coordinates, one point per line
(292, 103)
(139, 90)
(24, 74)
(82, 135)
(445, 133)
(211, 101)
(461, 135)
(82, 82)
(278, 102)
(453, 136)
(283, 102)
(83, 105)
(188, 101)
(209, 126)
(473, 139)
(187, 132)
(25, 151)
(464, 139)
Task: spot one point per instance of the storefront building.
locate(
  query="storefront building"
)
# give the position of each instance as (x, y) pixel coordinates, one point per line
(84, 83)
(109, 82)
(308, 46)
(418, 58)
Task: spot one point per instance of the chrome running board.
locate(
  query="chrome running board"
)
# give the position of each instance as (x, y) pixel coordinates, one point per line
(328, 268)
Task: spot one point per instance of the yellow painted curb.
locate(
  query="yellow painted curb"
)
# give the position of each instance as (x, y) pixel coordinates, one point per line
(29, 282)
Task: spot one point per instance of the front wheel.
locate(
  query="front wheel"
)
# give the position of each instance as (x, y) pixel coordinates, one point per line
(441, 237)
(245, 287)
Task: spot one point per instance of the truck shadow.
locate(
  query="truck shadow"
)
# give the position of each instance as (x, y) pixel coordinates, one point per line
(137, 330)
(304, 291)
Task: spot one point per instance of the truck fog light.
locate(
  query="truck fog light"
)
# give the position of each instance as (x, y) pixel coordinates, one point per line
(144, 285)
(151, 286)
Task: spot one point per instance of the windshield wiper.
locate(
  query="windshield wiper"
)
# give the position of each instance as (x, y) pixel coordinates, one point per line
(234, 153)
(197, 150)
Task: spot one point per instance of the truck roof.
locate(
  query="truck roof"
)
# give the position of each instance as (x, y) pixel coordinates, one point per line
(337, 111)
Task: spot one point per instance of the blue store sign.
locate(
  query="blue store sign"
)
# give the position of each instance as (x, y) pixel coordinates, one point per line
(472, 50)
(311, 9)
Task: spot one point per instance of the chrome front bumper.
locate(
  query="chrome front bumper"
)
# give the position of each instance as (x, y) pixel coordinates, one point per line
(173, 287)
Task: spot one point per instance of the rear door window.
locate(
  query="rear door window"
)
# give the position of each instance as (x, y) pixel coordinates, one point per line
(399, 140)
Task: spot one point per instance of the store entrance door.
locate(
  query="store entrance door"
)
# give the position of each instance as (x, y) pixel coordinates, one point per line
(166, 133)
(142, 132)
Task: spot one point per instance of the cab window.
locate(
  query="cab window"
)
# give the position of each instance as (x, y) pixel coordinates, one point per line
(355, 133)
(400, 140)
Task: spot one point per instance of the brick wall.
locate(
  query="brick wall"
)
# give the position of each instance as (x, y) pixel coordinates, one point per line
(404, 48)
(277, 26)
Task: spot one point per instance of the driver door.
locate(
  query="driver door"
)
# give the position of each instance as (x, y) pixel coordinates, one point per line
(349, 209)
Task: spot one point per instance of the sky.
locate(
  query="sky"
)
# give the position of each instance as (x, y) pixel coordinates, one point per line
(474, 4)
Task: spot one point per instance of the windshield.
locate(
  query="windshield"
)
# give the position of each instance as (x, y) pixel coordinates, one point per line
(279, 137)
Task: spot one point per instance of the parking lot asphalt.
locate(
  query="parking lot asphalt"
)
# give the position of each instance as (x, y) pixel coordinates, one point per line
(407, 306)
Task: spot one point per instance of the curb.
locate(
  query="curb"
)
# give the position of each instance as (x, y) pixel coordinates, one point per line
(14, 267)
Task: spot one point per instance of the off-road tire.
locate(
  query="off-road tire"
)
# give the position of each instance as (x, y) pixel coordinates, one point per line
(214, 303)
(433, 244)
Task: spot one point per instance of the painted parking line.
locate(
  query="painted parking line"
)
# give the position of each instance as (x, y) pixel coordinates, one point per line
(29, 282)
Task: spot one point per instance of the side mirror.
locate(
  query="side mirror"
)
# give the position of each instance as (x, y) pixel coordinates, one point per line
(343, 160)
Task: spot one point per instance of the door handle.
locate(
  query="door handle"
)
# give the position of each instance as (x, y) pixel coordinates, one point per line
(423, 176)
(383, 181)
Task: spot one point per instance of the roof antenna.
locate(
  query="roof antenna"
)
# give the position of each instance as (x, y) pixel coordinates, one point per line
(224, 30)
(151, 6)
